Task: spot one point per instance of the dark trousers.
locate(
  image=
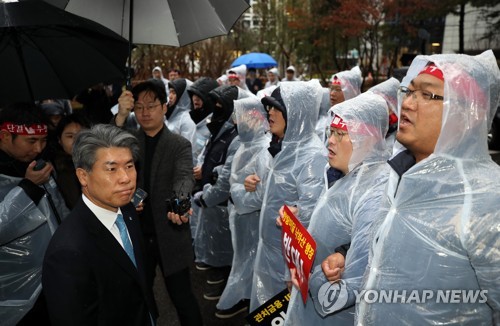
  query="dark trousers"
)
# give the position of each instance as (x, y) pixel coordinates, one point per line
(178, 287)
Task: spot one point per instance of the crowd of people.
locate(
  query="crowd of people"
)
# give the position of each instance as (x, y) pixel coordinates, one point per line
(395, 185)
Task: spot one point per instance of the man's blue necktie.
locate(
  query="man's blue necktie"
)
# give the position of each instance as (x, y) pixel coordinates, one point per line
(127, 245)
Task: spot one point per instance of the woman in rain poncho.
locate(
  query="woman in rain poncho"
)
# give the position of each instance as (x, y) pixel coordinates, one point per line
(345, 212)
(251, 157)
(441, 231)
(178, 119)
(295, 178)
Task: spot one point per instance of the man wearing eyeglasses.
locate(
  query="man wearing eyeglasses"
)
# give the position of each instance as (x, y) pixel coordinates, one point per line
(438, 244)
(165, 170)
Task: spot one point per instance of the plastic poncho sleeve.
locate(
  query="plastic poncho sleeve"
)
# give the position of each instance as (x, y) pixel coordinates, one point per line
(220, 191)
(310, 185)
(248, 202)
(356, 259)
(481, 240)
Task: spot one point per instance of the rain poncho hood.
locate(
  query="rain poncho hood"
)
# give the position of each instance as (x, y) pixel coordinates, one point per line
(241, 72)
(295, 178)
(178, 119)
(389, 92)
(163, 79)
(183, 101)
(244, 217)
(345, 212)
(201, 88)
(225, 95)
(441, 230)
(350, 82)
(324, 118)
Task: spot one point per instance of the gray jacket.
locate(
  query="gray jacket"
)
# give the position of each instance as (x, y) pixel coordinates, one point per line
(171, 170)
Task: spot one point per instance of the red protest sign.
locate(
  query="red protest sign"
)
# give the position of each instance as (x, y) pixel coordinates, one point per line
(299, 249)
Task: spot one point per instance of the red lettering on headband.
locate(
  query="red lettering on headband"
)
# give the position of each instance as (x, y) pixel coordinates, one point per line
(434, 71)
(25, 130)
(336, 80)
(338, 122)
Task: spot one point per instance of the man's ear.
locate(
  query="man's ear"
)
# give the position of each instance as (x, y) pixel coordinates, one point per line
(5, 136)
(164, 108)
(82, 175)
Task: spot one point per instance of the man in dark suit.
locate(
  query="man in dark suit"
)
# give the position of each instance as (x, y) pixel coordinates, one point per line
(166, 170)
(94, 269)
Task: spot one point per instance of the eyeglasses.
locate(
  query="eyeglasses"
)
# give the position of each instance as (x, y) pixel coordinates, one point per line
(338, 135)
(424, 95)
(150, 107)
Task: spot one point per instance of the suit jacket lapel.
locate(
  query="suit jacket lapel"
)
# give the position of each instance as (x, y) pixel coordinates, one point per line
(105, 240)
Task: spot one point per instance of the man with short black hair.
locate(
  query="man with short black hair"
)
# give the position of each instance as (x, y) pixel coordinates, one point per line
(165, 172)
(30, 207)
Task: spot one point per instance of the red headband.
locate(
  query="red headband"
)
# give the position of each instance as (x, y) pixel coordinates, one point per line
(338, 122)
(336, 81)
(25, 130)
(433, 70)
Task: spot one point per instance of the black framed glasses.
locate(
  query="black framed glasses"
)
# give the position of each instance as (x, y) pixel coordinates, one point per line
(425, 95)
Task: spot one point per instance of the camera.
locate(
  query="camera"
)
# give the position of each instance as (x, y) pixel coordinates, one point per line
(178, 204)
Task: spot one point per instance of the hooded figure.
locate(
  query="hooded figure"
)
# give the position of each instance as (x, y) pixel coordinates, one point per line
(350, 82)
(440, 234)
(345, 212)
(178, 119)
(273, 74)
(295, 178)
(251, 157)
(344, 86)
(240, 73)
(212, 242)
(158, 74)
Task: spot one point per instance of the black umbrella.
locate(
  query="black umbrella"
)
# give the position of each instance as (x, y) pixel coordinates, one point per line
(46, 52)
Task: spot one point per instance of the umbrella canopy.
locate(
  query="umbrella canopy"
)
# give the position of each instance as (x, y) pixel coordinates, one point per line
(255, 60)
(46, 52)
(165, 22)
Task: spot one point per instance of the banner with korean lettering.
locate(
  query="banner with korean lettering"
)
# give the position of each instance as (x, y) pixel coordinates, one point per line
(272, 312)
(299, 249)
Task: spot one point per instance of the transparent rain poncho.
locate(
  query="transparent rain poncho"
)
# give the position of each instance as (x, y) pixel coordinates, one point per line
(441, 233)
(25, 232)
(251, 157)
(350, 83)
(295, 178)
(180, 121)
(213, 236)
(345, 212)
(389, 91)
(323, 117)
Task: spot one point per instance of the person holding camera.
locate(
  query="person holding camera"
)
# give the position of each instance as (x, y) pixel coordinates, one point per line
(27, 217)
(165, 172)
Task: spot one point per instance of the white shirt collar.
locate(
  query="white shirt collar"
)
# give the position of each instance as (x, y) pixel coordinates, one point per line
(106, 217)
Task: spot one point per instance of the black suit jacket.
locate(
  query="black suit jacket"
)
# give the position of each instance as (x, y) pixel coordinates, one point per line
(87, 277)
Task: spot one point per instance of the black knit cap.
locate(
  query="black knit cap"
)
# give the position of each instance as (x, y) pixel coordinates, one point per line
(275, 101)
